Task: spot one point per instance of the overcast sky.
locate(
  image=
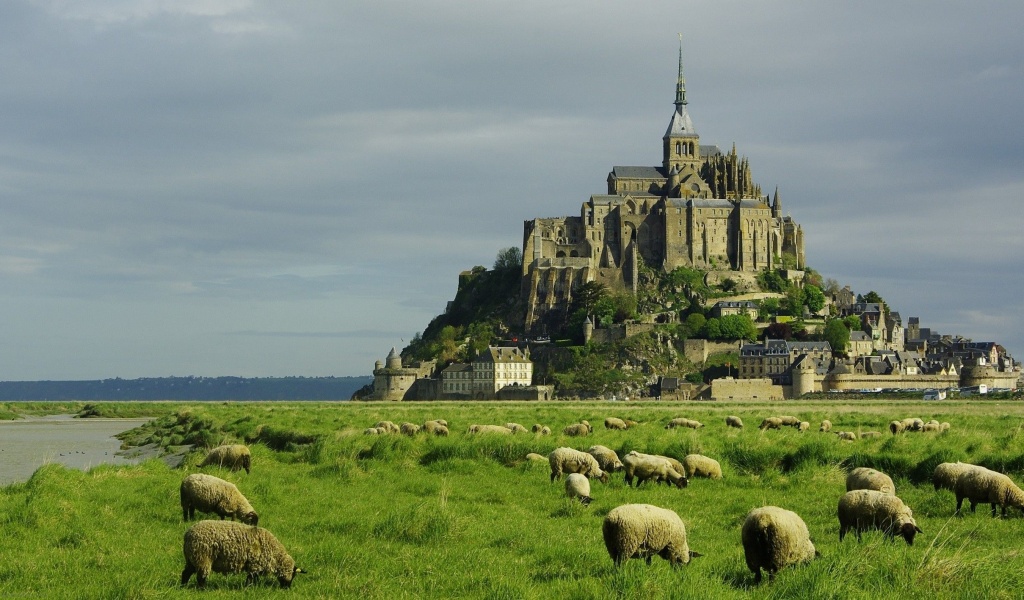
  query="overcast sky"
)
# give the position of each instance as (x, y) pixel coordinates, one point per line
(265, 188)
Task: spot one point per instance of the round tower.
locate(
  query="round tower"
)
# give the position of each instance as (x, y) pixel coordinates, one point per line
(394, 359)
(588, 330)
(803, 378)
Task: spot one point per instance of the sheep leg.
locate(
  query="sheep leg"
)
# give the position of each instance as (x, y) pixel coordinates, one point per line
(959, 504)
(187, 573)
(757, 575)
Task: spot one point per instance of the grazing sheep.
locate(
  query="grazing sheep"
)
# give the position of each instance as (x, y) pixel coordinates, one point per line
(545, 430)
(847, 436)
(864, 478)
(388, 426)
(945, 474)
(931, 427)
(409, 429)
(869, 434)
(435, 427)
(644, 467)
(944, 426)
(536, 428)
(615, 423)
(912, 424)
(697, 465)
(630, 423)
(683, 422)
(774, 538)
(232, 456)
(771, 423)
(734, 421)
(865, 509)
(227, 547)
(803, 426)
(568, 460)
(643, 530)
(576, 430)
(791, 421)
(374, 431)
(490, 429)
(606, 458)
(516, 428)
(826, 426)
(533, 456)
(210, 494)
(982, 485)
(897, 427)
(578, 486)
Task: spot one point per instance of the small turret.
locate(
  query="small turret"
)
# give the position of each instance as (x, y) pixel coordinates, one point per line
(394, 359)
(588, 330)
(777, 205)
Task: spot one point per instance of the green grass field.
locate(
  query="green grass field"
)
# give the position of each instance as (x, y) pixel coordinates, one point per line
(467, 517)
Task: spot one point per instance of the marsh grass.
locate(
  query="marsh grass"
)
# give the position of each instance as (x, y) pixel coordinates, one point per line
(468, 517)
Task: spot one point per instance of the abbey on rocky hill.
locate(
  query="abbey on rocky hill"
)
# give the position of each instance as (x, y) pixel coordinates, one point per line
(699, 209)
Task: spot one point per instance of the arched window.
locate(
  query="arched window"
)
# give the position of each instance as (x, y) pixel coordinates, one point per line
(678, 148)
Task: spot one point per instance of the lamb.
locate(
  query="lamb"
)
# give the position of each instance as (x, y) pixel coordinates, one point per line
(490, 429)
(545, 430)
(896, 427)
(734, 421)
(576, 430)
(645, 467)
(643, 530)
(981, 485)
(771, 423)
(435, 428)
(946, 474)
(615, 423)
(388, 426)
(826, 426)
(232, 456)
(847, 436)
(869, 434)
(944, 426)
(606, 458)
(228, 547)
(912, 424)
(409, 429)
(374, 431)
(931, 427)
(697, 465)
(516, 428)
(630, 423)
(865, 509)
(803, 426)
(578, 486)
(775, 538)
(683, 422)
(210, 494)
(864, 478)
(569, 460)
(536, 428)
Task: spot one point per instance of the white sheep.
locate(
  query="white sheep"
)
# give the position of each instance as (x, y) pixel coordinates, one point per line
(897, 427)
(545, 430)
(606, 457)
(865, 478)
(534, 457)
(803, 426)
(373, 431)
(578, 486)
(436, 427)
(409, 429)
(516, 428)
(232, 456)
(490, 429)
(697, 465)
(945, 474)
(771, 423)
(388, 426)
(684, 422)
(826, 426)
(615, 423)
(847, 436)
(944, 426)
(869, 434)
(536, 428)
(865, 509)
(982, 485)
(644, 467)
(913, 424)
(569, 460)
(734, 421)
(642, 531)
(228, 547)
(774, 538)
(210, 494)
(790, 421)
(577, 430)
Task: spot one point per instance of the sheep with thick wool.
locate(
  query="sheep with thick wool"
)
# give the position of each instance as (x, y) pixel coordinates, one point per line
(490, 429)
(803, 426)
(846, 436)
(866, 478)
(578, 486)
(734, 421)
(864, 509)
(577, 430)
(516, 428)
(775, 538)
(569, 460)
(896, 427)
(791, 421)
(389, 426)
(232, 456)
(945, 474)
(210, 494)
(826, 426)
(435, 427)
(409, 429)
(698, 465)
(534, 457)
(228, 547)
(869, 434)
(645, 467)
(615, 423)
(982, 485)
(644, 530)
(770, 423)
(606, 458)
(684, 422)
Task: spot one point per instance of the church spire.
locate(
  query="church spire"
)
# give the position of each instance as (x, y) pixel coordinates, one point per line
(681, 82)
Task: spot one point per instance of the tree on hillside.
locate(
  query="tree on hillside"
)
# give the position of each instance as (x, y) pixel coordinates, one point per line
(509, 258)
(853, 323)
(837, 335)
(794, 301)
(778, 331)
(814, 298)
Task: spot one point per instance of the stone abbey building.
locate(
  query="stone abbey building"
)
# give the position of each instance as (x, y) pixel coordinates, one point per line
(700, 209)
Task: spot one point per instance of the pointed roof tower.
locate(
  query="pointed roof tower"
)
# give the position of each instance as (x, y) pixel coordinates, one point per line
(681, 149)
(680, 123)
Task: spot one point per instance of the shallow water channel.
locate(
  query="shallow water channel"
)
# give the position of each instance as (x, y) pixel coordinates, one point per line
(27, 444)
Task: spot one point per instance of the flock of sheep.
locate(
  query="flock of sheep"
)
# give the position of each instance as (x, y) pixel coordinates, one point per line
(772, 537)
